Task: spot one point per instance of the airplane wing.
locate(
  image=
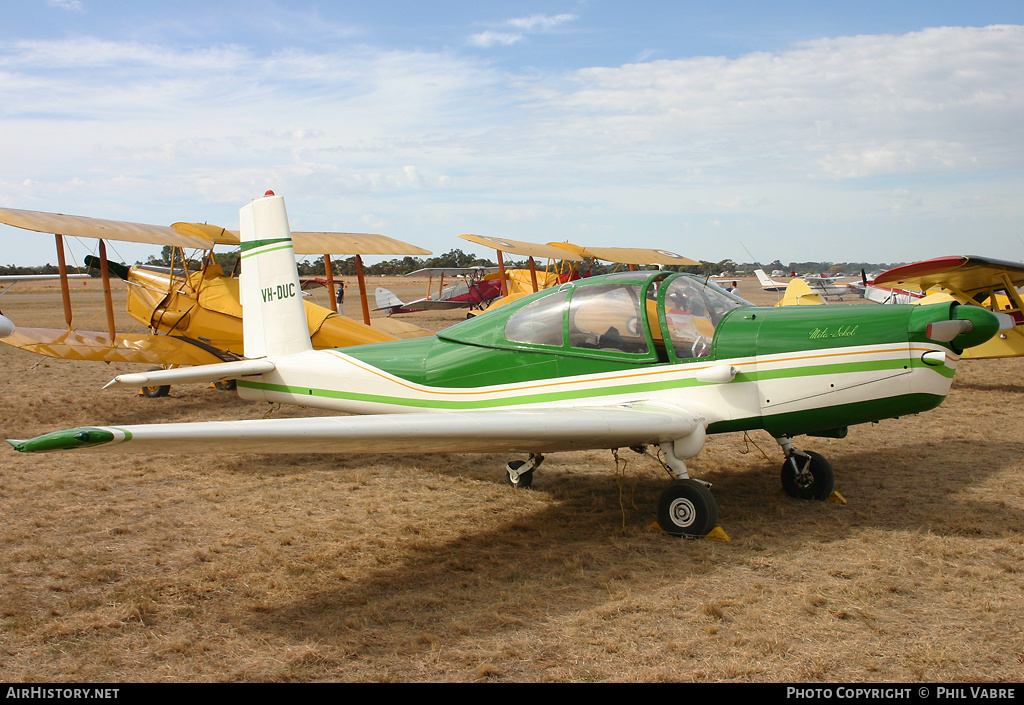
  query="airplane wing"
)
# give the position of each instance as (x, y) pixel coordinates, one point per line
(128, 347)
(968, 274)
(352, 244)
(449, 271)
(627, 255)
(15, 278)
(526, 431)
(81, 226)
(524, 249)
(200, 235)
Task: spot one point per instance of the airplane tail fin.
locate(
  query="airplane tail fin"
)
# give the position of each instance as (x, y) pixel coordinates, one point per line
(387, 299)
(273, 315)
(764, 278)
(799, 293)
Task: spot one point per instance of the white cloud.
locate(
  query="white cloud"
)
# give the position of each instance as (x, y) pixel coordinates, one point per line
(490, 39)
(540, 23)
(74, 5)
(521, 26)
(101, 128)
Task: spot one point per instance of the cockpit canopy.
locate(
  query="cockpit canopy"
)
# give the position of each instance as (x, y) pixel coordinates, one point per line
(626, 314)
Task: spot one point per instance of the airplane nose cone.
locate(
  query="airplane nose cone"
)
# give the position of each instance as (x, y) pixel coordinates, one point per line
(957, 326)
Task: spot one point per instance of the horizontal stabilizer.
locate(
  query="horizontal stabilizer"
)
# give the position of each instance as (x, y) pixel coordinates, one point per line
(218, 372)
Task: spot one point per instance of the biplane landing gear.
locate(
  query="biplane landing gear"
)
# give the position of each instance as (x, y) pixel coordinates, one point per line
(806, 474)
(156, 392)
(687, 508)
(519, 473)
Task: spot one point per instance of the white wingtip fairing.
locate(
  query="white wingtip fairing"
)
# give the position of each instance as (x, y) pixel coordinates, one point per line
(273, 315)
(6, 326)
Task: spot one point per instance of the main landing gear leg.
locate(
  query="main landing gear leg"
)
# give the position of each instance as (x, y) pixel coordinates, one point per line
(805, 474)
(686, 507)
(519, 473)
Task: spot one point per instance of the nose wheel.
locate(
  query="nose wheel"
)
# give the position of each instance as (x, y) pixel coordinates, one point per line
(807, 475)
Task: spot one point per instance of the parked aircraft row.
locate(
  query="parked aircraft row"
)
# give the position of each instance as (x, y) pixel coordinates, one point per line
(653, 361)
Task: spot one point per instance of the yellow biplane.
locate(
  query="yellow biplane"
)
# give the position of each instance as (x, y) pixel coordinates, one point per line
(566, 262)
(192, 310)
(979, 281)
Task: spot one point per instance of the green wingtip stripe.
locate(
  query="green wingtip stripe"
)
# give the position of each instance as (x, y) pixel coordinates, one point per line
(68, 439)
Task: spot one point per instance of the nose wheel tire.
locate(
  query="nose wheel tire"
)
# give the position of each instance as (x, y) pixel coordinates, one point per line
(808, 476)
(687, 508)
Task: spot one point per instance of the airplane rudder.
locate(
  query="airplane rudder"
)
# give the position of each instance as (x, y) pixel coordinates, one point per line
(269, 282)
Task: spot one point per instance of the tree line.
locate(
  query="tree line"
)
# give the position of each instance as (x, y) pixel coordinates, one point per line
(457, 258)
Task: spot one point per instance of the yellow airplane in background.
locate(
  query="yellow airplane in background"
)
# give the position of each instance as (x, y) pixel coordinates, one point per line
(193, 314)
(566, 262)
(979, 281)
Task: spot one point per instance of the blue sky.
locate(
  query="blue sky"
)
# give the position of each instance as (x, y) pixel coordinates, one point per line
(836, 131)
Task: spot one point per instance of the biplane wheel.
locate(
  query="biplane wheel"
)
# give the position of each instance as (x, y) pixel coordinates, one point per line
(227, 386)
(524, 481)
(687, 508)
(153, 392)
(816, 483)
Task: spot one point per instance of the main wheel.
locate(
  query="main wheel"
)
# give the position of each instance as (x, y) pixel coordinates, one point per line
(226, 386)
(524, 480)
(687, 508)
(816, 481)
(153, 392)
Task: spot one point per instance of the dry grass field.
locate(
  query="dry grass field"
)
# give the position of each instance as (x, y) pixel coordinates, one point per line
(208, 567)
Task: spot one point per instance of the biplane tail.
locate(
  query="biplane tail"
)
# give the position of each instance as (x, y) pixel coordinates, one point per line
(387, 299)
(273, 315)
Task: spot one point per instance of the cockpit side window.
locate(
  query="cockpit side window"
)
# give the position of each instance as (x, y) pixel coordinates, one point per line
(607, 317)
(538, 323)
(692, 310)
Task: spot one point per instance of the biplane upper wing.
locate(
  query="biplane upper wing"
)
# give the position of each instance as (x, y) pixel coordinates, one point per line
(970, 275)
(200, 235)
(80, 226)
(524, 249)
(628, 255)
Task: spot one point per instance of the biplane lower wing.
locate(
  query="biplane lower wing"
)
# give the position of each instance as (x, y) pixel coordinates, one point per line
(128, 347)
(529, 430)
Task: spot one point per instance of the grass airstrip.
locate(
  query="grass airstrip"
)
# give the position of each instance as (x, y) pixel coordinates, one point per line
(243, 567)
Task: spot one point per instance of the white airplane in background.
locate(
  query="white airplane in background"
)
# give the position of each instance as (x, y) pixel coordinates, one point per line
(6, 324)
(822, 285)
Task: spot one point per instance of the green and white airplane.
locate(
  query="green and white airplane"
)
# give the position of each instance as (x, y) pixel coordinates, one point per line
(639, 360)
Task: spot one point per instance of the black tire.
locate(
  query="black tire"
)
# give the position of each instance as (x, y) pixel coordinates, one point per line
(687, 508)
(155, 392)
(226, 386)
(818, 485)
(525, 481)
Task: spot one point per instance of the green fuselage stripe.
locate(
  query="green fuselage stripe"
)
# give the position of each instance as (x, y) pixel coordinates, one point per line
(435, 402)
